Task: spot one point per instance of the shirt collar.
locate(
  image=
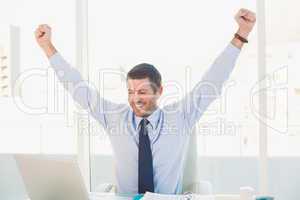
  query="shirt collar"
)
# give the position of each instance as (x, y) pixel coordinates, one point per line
(153, 119)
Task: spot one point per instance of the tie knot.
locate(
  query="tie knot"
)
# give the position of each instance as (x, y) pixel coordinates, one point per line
(144, 122)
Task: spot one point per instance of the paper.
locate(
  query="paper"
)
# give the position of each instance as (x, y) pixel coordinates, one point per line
(154, 196)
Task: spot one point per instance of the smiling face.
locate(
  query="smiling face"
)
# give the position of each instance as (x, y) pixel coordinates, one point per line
(143, 96)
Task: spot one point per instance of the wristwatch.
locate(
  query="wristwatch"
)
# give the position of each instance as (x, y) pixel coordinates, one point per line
(242, 39)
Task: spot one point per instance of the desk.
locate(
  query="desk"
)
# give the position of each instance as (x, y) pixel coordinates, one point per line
(110, 196)
(114, 197)
(106, 196)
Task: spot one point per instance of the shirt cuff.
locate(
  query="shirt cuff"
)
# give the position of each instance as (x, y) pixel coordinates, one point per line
(54, 57)
(56, 61)
(233, 49)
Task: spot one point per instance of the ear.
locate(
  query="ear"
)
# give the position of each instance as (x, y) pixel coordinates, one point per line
(160, 90)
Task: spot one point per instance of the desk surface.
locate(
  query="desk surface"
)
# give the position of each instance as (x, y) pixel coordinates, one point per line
(108, 196)
(111, 196)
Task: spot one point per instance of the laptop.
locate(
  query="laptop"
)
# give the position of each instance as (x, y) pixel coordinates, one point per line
(49, 178)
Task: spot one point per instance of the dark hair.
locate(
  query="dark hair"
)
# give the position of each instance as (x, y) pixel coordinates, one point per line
(145, 70)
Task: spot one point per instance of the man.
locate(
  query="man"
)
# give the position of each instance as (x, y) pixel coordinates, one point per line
(149, 142)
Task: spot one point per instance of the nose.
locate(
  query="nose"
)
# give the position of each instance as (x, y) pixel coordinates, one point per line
(135, 97)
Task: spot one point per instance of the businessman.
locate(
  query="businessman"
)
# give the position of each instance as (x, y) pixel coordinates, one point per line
(149, 142)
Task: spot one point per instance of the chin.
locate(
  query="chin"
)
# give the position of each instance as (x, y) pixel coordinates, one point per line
(140, 113)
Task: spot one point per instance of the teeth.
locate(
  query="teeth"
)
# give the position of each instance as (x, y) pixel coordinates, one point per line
(139, 105)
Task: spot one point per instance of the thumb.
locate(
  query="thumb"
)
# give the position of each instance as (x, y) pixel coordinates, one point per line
(44, 30)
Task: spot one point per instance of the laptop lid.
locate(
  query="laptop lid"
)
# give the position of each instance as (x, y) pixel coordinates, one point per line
(48, 178)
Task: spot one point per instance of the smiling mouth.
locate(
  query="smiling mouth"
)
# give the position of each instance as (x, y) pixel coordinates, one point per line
(139, 105)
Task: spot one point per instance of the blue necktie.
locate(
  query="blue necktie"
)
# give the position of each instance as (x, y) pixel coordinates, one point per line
(145, 160)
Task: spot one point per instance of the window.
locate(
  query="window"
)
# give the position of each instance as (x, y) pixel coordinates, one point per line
(51, 131)
(283, 42)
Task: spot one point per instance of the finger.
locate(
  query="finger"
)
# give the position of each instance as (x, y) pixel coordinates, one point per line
(242, 12)
(41, 27)
(250, 17)
(39, 35)
(44, 27)
(252, 13)
(239, 17)
(39, 32)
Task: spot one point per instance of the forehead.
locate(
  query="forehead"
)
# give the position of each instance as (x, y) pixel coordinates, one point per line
(138, 84)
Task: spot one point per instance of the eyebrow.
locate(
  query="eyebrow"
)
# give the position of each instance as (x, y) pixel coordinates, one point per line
(139, 89)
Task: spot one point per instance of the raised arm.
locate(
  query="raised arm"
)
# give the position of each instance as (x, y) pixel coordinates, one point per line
(83, 93)
(210, 87)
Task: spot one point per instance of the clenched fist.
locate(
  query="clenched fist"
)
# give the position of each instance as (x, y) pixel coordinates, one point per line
(246, 20)
(43, 35)
(43, 38)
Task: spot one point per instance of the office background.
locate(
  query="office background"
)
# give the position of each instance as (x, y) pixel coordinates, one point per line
(250, 136)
